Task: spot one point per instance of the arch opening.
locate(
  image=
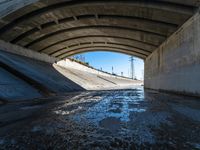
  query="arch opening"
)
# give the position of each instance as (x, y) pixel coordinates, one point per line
(111, 62)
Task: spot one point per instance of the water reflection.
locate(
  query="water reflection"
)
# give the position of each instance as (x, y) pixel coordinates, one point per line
(118, 119)
(118, 104)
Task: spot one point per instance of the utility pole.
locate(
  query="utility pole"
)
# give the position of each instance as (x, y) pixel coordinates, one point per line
(112, 70)
(132, 67)
(142, 74)
(128, 73)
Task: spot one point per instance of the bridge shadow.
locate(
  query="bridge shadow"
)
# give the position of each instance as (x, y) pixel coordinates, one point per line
(39, 75)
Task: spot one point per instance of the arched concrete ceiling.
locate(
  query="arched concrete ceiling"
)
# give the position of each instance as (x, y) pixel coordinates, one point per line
(66, 27)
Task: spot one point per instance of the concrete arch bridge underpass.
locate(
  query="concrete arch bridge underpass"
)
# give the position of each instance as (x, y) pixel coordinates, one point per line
(50, 102)
(164, 33)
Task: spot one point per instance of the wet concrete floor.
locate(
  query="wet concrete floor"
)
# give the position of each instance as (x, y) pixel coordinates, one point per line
(116, 119)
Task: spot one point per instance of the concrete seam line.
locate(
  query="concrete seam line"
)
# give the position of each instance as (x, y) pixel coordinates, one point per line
(15, 49)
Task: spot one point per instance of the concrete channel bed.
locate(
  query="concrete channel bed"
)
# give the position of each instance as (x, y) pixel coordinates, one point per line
(117, 119)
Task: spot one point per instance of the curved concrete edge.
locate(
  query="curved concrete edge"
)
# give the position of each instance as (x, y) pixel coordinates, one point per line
(15, 49)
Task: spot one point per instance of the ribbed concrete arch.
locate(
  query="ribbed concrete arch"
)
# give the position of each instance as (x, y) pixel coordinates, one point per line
(102, 44)
(47, 40)
(135, 27)
(52, 48)
(100, 48)
(146, 34)
(97, 40)
(164, 29)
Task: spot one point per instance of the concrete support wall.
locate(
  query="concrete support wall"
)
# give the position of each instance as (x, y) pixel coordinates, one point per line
(175, 65)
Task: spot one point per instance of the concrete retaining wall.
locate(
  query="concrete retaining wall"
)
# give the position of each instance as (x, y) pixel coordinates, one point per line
(175, 65)
(26, 74)
(23, 78)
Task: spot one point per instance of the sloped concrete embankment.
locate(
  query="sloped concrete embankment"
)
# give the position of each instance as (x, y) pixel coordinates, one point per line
(23, 77)
(92, 79)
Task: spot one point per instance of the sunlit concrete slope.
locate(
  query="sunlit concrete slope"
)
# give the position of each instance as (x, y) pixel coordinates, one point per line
(24, 78)
(92, 79)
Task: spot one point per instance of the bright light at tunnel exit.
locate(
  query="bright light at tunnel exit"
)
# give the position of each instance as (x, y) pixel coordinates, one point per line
(113, 62)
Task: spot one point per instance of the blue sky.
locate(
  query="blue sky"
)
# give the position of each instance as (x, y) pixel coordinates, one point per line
(120, 63)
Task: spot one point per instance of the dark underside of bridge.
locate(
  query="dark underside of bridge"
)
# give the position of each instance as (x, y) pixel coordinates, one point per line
(61, 28)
